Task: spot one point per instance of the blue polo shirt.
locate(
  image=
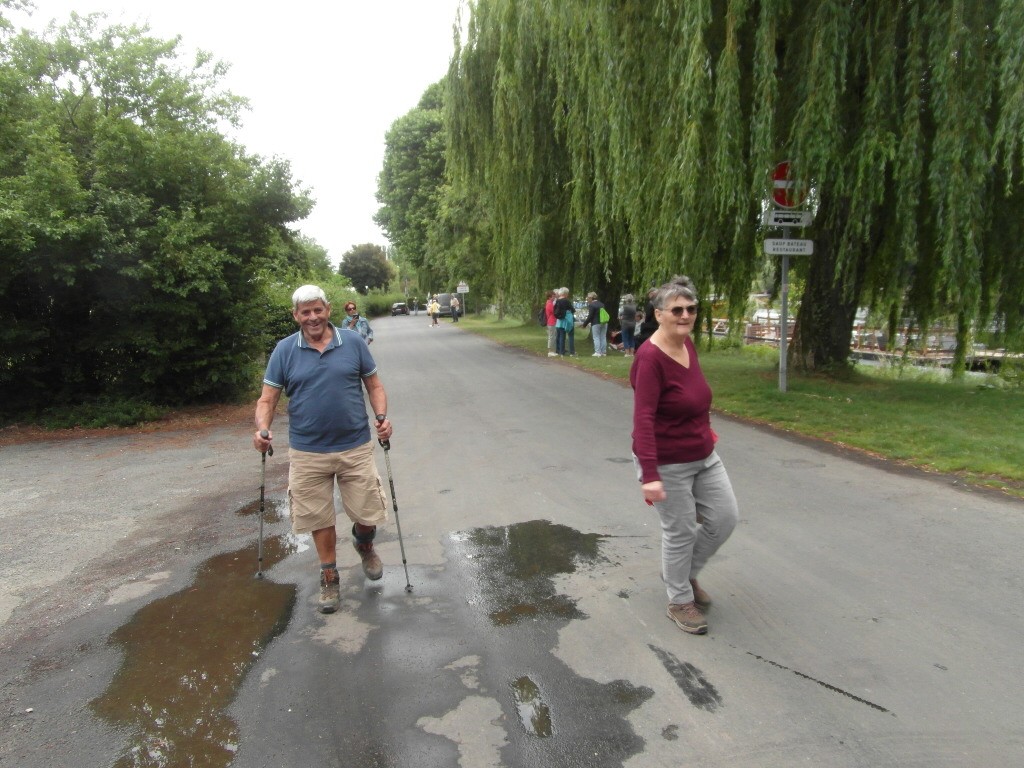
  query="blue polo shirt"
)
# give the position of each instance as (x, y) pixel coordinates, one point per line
(326, 410)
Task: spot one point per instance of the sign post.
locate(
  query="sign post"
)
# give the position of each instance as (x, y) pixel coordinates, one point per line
(787, 193)
(462, 290)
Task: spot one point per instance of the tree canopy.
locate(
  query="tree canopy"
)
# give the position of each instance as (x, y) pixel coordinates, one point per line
(442, 232)
(366, 266)
(411, 181)
(616, 144)
(135, 239)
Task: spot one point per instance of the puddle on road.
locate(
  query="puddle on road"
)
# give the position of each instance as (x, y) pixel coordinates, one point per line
(272, 510)
(534, 714)
(185, 656)
(516, 564)
(508, 576)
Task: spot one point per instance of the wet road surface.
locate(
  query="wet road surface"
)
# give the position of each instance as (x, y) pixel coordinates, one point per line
(535, 631)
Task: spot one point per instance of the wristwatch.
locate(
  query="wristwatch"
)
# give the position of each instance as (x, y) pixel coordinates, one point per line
(381, 416)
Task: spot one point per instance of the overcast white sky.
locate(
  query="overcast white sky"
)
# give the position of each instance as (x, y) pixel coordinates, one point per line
(325, 80)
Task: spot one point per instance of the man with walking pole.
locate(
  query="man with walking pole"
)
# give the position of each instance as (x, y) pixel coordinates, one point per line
(323, 370)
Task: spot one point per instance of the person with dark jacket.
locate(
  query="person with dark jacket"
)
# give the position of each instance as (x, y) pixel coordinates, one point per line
(598, 323)
(627, 324)
(565, 323)
(649, 324)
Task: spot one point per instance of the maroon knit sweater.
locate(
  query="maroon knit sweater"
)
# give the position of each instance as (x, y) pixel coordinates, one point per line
(671, 410)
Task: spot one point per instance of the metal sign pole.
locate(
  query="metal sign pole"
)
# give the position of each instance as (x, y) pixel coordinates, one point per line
(783, 324)
(787, 193)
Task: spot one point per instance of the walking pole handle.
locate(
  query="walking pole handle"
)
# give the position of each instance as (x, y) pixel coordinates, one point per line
(385, 444)
(270, 449)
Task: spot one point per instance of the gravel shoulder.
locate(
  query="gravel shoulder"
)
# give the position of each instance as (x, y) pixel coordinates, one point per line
(85, 512)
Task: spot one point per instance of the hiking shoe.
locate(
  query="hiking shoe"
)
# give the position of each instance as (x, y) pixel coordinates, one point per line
(688, 618)
(700, 597)
(330, 591)
(362, 540)
(372, 565)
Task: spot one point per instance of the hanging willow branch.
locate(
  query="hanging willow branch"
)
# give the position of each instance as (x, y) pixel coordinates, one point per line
(623, 141)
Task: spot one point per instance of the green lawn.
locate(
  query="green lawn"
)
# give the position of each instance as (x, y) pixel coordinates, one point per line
(972, 429)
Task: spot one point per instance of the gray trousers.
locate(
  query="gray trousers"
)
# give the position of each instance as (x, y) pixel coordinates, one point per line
(698, 487)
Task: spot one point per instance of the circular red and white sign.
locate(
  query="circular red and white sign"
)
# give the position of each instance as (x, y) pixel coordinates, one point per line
(787, 192)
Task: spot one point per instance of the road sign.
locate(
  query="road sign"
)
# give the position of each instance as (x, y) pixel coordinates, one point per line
(789, 246)
(787, 192)
(463, 288)
(784, 218)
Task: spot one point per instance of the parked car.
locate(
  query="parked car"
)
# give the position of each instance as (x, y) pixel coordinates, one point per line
(399, 308)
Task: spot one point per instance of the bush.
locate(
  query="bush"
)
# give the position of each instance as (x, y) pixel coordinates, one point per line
(100, 413)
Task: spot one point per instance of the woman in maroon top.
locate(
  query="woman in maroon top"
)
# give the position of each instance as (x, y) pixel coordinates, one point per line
(674, 450)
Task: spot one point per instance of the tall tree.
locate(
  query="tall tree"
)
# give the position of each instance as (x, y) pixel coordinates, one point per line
(410, 184)
(443, 233)
(128, 223)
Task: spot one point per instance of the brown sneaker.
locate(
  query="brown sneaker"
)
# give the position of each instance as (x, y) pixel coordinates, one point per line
(688, 618)
(330, 591)
(700, 597)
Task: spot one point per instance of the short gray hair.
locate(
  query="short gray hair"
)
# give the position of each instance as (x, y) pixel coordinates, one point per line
(680, 285)
(307, 293)
(563, 291)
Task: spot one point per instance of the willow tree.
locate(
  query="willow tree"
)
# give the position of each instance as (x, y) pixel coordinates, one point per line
(507, 148)
(643, 135)
(899, 115)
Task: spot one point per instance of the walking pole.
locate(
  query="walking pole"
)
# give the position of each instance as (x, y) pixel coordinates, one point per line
(263, 483)
(386, 445)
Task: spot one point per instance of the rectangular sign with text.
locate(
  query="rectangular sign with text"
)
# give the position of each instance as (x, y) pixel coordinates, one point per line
(790, 246)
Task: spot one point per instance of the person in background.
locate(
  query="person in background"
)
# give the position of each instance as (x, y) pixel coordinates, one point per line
(648, 323)
(433, 309)
(456, 305)
(627, 324)
(565, 324)
(680, 472)
(549, 315)
(597, 319)
(354, 322)
(324, 370)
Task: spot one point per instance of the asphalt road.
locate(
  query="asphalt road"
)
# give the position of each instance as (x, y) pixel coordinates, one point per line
(863, 616)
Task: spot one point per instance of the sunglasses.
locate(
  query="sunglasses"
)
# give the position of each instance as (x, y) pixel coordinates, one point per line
(350, 308)
(690, 309)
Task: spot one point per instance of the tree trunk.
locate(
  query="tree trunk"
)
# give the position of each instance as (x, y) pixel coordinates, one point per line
(821, 339)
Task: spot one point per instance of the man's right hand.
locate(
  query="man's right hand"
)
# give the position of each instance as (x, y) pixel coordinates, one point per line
(261, 443)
